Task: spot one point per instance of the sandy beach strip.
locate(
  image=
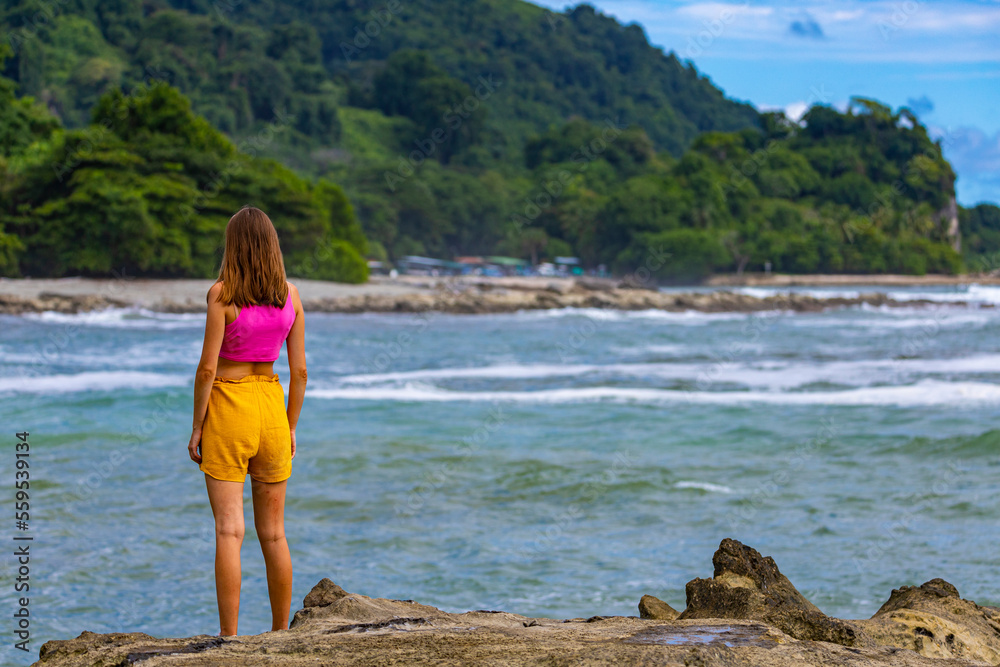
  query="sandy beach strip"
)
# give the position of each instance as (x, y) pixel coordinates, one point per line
(153, 292)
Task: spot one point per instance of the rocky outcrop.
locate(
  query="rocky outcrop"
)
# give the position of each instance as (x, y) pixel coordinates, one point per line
(656, 609)
(324, 593)
(933, 620)
(747, 615)
(60, 303)
(947, 218)
(475, 301)
(482, 296)
(748, 586)
(327, 600)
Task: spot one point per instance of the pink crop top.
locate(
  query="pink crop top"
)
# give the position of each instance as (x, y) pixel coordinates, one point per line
(258, 332)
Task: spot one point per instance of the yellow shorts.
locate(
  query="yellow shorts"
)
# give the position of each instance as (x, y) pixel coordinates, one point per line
(246, 430)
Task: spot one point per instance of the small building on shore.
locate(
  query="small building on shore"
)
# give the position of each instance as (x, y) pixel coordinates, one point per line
(569, 265)
(377, 268)
(509, 266)
(429, 266)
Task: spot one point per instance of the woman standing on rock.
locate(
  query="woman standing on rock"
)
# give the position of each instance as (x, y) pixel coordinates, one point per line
(241, 424)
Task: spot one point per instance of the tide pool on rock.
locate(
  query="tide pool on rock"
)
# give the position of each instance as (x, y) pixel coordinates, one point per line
(549, 463)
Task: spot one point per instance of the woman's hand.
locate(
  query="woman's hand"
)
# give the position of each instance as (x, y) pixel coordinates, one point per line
(195, 445)
(292, 431)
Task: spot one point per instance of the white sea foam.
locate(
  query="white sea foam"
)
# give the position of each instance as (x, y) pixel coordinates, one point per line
(691, 317)
(896, 318)
(662, 348)
(772, 374)
(118, 318)
(503, 371)
(135, 356)
(765, 292)
(92, 381)
(973, 293)
(924, 393)
(704, 486)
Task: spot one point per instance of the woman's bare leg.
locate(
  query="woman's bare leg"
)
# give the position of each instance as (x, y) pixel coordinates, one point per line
(227, 506)
(269, 520)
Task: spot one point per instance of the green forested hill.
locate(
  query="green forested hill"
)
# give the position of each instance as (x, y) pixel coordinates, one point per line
(449, 128)
(147, 189)
(241, 61)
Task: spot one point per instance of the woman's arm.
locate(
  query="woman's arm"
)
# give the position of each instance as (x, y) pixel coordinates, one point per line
(296, 347)
(215, 330)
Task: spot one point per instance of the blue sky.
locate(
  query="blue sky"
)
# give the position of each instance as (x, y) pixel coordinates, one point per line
(940, 58)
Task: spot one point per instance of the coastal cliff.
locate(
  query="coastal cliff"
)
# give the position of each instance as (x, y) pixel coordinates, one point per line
(747, 614)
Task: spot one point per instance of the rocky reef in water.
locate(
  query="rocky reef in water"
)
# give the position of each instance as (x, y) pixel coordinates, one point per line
(747, 615)
(491, 296)
(59, 303)
(486, 299)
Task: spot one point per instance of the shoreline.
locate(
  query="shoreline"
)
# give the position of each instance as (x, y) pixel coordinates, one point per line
(848, 280)
(467, 294)
(747, 613)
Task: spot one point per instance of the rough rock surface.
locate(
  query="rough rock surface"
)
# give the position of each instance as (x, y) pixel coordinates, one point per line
(463, 296)
(15, 305)
(933, 620)
(339, 628)
(656, 609)
(473, 300)
(324, 593)
(748, 586)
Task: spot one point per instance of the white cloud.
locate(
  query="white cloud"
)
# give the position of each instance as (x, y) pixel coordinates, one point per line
(974, 147)
(841, 15)
(719, 10)
(976, 19)
(796, 110)
(975, 156)
(856, 31)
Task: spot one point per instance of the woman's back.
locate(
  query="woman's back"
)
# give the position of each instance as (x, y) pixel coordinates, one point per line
(258, 332)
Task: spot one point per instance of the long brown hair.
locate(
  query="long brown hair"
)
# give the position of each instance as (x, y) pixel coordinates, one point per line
(253, 270)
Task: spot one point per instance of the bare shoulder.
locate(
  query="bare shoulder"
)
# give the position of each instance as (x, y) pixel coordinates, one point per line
(213, 293)
(293, 292)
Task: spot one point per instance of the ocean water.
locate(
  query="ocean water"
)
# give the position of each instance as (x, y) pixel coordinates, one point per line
(558, 463)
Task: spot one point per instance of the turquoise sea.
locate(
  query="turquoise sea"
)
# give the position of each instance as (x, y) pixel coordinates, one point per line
(559, 463)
